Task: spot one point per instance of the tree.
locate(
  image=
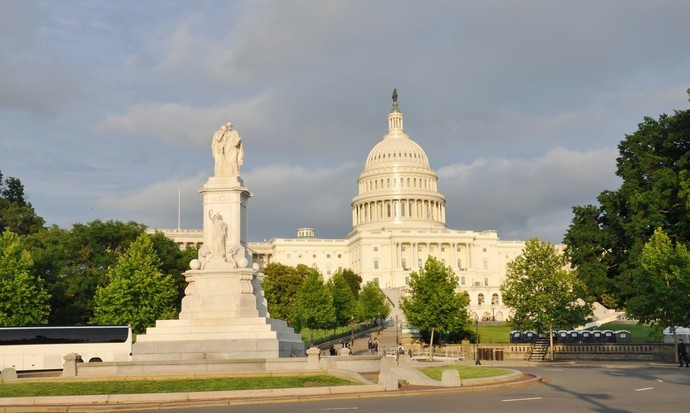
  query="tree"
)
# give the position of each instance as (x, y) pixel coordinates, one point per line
(23, 299)
(542, 292)
(605, 241)
(75, 262)
(433, 304)
(136, 292)
(353, 280)
(313, 307)
(281, 285)
(344, 300)
(16, 214)
(663, 279)
(372, 303)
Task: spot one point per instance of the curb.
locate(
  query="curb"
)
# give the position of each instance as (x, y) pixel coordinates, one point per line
(156, 401)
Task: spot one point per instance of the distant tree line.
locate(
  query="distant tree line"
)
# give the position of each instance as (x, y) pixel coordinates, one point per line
(90, 273)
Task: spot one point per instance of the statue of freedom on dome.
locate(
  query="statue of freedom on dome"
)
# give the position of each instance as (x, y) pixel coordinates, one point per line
(227, 150)
(395, 95)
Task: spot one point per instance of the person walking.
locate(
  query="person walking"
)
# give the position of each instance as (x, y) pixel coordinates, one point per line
(370, 344)
(682, 354)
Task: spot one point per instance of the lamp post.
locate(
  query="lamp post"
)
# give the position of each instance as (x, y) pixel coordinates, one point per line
(476, 341)
(397, 337)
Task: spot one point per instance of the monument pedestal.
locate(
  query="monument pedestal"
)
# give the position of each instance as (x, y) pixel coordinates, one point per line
(223, 313)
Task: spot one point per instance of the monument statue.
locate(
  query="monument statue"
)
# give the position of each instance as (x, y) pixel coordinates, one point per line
(395, 95)
(227, 150)
(219, 233)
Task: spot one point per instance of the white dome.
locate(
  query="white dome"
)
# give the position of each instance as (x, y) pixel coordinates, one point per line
(397, 186)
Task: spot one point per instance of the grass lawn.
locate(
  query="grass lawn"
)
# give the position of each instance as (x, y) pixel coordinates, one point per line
(639, 333)
(494, 334)
(166, 386)
(466, 372)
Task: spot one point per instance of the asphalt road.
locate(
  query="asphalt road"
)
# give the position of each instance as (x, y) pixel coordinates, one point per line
(565, 389)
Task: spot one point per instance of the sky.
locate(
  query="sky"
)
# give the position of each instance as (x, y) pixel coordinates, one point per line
(108, 107)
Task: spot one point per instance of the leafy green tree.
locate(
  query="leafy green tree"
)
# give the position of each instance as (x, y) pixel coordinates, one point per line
(344, 300)
(604, 242)
(663, 277)
(281, 285)
(23, 299)
(313, 307)
(372, 303)
(353, 280)
(542, 292)
(136, 292)
(433, 304)
(16, 214)
(174, 261)
(75, 262)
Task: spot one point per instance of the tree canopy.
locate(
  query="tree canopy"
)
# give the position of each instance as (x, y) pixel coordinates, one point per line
(604, 242)
(344, 300)
(541, 291)
(433, 304)
(372, 303)
(313, 307)
(16, 214)
(281, 286)
(136, 292)
(663, 278)
(23, 298)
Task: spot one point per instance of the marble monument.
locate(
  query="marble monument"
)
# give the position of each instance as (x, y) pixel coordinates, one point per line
(224, 314)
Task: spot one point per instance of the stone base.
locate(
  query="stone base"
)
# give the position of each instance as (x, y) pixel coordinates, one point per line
(218, 339)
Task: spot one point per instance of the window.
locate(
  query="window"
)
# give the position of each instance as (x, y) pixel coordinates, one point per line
(299, 255)
(313, 256)
(485, 263)
(407, 280)
(431, 248)
(419, 248)
(462, 280)
(328, 255)
(486, 281)
(376, 249)
(494, 299)
(458, 248)
(484, 249)
(289, 255)
(376, 264)
(459, 263)
(419, 263)
(403, 263)
(402, 248)
(443, 248)
(376, 280)
(480, 299)
(340, 255)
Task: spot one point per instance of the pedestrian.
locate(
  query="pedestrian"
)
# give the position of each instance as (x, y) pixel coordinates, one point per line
(682, 354)
(376, 344)
(333, 351)
(370, 344)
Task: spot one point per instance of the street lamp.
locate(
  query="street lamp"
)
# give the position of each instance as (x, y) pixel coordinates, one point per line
(476, 341)
(397, 337)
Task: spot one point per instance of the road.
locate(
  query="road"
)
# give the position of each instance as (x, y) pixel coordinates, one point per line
(565, 389)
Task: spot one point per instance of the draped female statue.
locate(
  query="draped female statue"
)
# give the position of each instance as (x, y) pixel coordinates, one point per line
(227, 151)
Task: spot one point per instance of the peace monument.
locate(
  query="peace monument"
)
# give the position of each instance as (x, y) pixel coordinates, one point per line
(223, 313)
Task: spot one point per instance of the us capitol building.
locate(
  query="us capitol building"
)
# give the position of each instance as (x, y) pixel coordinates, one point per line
(398, 220)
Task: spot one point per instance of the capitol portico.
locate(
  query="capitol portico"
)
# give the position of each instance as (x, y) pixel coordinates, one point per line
(398, 220)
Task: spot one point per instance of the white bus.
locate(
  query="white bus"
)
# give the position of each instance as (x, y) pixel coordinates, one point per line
(43, 348)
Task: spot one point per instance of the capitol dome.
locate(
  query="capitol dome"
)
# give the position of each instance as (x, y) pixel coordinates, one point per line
(398, 186)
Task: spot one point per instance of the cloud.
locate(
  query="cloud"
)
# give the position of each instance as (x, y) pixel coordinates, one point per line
(178, 123)
(522, 198)
(156, 204)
